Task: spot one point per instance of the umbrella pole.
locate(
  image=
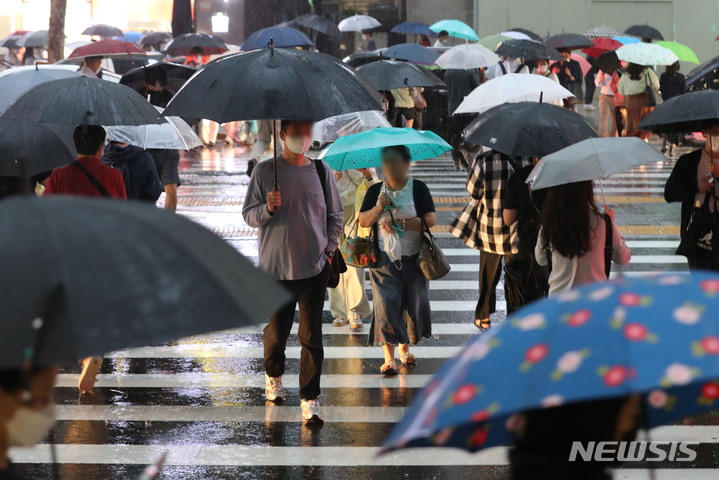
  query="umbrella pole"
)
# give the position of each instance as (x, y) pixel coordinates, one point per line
(274, 148)
(604, 199)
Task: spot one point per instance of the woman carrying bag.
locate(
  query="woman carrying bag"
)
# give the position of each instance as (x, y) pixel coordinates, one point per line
(399, 210)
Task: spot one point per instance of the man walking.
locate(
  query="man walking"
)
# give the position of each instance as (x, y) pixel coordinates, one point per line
(460, 83)
(137, 168)
(300, 224)
(87, 177)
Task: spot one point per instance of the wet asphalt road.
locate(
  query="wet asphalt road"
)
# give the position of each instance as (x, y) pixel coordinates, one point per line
(201, 399)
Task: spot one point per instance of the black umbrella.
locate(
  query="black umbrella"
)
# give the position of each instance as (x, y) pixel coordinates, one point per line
(27, 149)
(528, 129)
(608, 62)
(528, 33)
(177, 75)
(318, 24)
(272, 84)
(33, 39)
(704, 76)
(102, 30)
(82, 101)
(17, 81)
(644, 31)
(571, 41)
(690, 112)
(84, 277)
(153, 39)
(10, 41)
(185, 44)
(391, 74)
(528, 50)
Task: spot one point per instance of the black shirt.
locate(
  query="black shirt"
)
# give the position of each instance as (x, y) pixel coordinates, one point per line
(528, 204)
(423, 202)
(460, 83)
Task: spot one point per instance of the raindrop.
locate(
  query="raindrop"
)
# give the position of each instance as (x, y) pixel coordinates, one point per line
(37, 323)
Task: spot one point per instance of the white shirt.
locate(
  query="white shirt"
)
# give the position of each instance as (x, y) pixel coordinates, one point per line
(438, 43)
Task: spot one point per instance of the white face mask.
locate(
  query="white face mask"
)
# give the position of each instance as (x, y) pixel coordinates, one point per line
(28, 427)
(298, 145)
(714, 143)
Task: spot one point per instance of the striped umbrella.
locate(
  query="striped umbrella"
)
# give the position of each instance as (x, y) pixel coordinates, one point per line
(603, 31)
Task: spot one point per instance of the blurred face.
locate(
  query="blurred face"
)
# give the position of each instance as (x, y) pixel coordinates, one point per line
(297, 137)
(394, 167)
(542, 66)
(94, 64)
(566, 54)
(26, 421)
(712, 137)
(155, 87)
(443, 38)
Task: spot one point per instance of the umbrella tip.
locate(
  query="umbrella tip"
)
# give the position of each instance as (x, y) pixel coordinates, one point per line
(541, 96)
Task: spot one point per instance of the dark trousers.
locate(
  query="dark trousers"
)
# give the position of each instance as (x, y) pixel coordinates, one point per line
(708, 263)
(457, 124)
(490, 270)
(589, 88)
(310, 294)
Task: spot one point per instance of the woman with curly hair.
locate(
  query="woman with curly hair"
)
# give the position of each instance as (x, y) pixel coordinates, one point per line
(573, 236)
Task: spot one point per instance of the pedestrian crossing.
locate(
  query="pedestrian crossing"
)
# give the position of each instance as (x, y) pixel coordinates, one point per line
(200, 400)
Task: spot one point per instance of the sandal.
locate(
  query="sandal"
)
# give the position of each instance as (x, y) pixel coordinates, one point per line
(408, 360)
(483, 325)
(389, 369)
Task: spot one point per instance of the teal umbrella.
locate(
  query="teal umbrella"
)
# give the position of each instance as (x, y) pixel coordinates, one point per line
(364, 150)
(456, 29)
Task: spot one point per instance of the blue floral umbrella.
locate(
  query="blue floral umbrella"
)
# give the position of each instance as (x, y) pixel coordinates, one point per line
(656, 336)
(364, 149)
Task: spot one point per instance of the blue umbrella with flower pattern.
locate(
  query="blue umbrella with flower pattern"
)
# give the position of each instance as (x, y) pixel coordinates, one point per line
(657, 336)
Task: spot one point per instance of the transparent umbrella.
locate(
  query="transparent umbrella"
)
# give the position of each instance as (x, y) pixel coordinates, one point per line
(332, 128)
(174, 134)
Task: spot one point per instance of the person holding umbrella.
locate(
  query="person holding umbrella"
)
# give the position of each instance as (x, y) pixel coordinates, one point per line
(578, 236)
(671, 84)
(399, 209)
(570, 77)
(404, 105)
(633, 87)
(91, 67)
(442, 38)
(299, 215)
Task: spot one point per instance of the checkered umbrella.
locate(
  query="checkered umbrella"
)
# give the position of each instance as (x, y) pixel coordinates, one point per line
(603, 31)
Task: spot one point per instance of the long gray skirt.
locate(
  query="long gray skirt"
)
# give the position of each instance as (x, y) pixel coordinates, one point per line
(400, 303)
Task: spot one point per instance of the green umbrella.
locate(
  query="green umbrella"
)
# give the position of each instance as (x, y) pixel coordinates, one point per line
(493, 41)
(684, 53)
(364, 149)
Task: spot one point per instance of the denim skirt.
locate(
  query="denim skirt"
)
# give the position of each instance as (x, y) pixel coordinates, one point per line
(400, 303)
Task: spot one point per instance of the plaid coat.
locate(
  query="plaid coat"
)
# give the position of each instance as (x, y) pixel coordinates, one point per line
(480, 225)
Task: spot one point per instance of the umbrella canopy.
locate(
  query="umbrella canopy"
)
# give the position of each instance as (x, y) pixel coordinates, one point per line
(528, 129)
(601, 45)
(517, 35)
(177, 75)
(102, 30)
(528, 50)
(33, 39)
(493, 41)
(571, 41)
(16, 82)
(644, 31)
(330, 129)
(274, 84)
(412, 52)
(608, 62)
(529, 33)
(82, 101)
(11, 40)
(603, 31)
(185, 44)
(173, 134)
(647, 54)
(689, 112)
(318, 24)
(626, 40)
(283, 37)
(512, 88)
(413, 28)
(131, 36)
(592, 159)
(27, 148)
(654, 335)
(358, 23)
(153, 39)
(106, 48)
(391, 74)
(116, 275)
(364, 150)
(684, 53)
(455, 28)
(467, 57)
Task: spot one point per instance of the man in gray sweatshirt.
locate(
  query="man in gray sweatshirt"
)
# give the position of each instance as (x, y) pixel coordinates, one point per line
(300, 225)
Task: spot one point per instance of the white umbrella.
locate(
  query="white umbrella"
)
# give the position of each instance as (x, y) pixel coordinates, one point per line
(516, 35)
(592, 159)
(646, 54)
(467, 57)
(330, 129)
(174, 134)
(358, 23)
(512, 88)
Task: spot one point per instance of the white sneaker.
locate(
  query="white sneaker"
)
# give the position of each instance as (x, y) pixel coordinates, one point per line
(311, 411)
(356, 322)
(588, 107)
(338, 321)
(273, 388)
